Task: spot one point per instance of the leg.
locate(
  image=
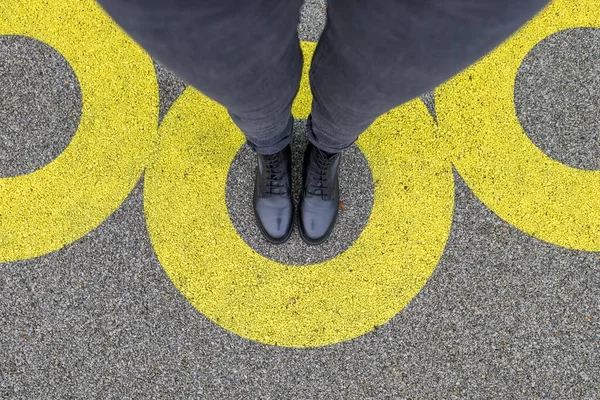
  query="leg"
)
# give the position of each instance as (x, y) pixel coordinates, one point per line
(243, 54)
(374, 56)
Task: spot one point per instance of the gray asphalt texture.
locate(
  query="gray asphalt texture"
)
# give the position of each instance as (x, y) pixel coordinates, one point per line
(504, 315)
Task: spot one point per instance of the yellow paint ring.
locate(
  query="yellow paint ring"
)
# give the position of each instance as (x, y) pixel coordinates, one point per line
(515, 179)
(303, 101)
(59, 203)
(287, 305)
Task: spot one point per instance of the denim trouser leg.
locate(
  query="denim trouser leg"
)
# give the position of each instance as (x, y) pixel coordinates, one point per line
(376, 55)
(244, 54)
(373, 56)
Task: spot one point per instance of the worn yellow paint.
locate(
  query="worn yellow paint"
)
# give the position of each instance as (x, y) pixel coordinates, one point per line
(288, 305)
(535, 193)
(59, 203)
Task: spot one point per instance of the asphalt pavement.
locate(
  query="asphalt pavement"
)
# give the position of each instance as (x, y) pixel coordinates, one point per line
(504, 314)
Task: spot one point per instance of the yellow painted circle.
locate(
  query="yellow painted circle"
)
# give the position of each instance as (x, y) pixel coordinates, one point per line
(274, 303)
(515, 179)
(59, 203)
(303, 101)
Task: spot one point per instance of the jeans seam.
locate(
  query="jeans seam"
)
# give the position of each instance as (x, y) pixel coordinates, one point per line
(316, 63)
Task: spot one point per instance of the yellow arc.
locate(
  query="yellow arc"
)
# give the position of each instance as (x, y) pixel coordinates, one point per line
(59, 203)
(476, 111)
(287, 305)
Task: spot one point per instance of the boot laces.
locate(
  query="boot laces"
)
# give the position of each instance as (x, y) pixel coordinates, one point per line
(317, 174)
(274, 170)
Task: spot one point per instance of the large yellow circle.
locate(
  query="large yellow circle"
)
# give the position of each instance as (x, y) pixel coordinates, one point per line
(287, 305)
(59, 203)
(515, 179)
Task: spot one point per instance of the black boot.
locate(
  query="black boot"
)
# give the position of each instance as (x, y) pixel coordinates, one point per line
(320, 198)
(273, 203)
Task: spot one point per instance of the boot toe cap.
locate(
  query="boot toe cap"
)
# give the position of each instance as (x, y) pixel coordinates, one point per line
(275, 223)
(317, 223)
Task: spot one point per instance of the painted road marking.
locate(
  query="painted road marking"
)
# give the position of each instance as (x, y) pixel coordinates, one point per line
(275, 303)
(505, 169)
(59, 203)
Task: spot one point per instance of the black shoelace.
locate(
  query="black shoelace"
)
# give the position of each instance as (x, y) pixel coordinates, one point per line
(274, 171)
(316, 176)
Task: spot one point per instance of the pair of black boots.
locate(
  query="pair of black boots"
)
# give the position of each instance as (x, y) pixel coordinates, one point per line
(319, 199)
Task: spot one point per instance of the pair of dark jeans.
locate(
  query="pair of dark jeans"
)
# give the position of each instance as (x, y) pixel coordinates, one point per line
(372, 56)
